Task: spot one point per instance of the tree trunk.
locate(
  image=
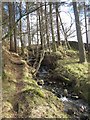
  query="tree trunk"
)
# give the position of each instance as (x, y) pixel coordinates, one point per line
(57, 23)
(52, 30)
(15, 42)
(82, 56)
(37, 48)
(10, 24)
(28, 25)
(41, 56)
(41, 27)
(40, 61)
(86, 26)
(22, 44)
(47, 30)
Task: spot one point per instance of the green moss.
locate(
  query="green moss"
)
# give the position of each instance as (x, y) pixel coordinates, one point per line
(72, 70)
(20, 89)
(45, 107)
(33, 89)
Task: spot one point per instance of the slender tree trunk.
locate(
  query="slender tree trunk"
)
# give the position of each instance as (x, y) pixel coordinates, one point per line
(86, 26)
(22, 44)
(40, 13)
(37, 48)
(47, 30)
(10, 24)
(52, 30)
(37, 52)
(15, 42)
(28, 25)
(58, 26)
(41, 28)
(82, 56)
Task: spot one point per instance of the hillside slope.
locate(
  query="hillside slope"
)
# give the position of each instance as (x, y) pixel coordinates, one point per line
(22, 97)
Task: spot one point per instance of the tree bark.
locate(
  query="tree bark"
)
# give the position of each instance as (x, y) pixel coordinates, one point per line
(52, 30)
(82, 56)
(58, 25)
(10, 24)
(47, 30)
(41, 27)
(14, 26)
(22, 44)
(28, 25)
(86, 26)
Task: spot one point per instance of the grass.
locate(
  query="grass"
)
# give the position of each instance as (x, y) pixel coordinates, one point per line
(33, 101)
(76, 72)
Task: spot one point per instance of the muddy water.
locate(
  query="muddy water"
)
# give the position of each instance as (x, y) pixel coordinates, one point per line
(77, 108)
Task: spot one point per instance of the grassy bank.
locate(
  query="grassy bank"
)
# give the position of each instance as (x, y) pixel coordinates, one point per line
(66, 68)
(22, 97)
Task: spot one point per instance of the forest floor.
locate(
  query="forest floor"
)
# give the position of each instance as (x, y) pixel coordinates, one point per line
(22, 97)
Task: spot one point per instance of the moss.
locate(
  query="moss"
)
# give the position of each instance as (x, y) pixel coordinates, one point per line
(20, 89)
(34, 89)
(71, 53)
(38, 106)
(74, 71)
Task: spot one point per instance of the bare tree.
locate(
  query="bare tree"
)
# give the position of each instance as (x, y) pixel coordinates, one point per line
(47, 28)
(86, 25)
(28, 25)
(79, 35)
(52, 30)
(10, 6)
(58, 25)
(41, 26)
(14, 30)
(22, 44)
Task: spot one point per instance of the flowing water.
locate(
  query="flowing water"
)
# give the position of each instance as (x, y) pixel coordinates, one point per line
(77, 108)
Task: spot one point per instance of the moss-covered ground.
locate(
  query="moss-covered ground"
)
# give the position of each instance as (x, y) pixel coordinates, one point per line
(70, 70)
(22, 97)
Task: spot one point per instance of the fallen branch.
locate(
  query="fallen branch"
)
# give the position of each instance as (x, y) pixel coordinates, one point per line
(21, 62)
(40, 61)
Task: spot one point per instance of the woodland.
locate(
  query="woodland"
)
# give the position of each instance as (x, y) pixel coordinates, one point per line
(44, 70)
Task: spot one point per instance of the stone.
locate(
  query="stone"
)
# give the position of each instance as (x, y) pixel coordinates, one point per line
(70, 111)
(40, 82)
(65, 92)
(75, 97)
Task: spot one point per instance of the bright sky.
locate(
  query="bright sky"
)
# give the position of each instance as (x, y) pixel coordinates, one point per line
(68, 16)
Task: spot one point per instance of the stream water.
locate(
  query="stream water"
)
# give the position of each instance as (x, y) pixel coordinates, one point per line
(77, 108)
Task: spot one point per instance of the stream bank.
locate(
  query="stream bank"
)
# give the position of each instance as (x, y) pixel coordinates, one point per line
(74, 106)
(68, 79)
(47, 100)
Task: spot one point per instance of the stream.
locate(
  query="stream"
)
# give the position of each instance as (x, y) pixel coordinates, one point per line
(74, 106)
